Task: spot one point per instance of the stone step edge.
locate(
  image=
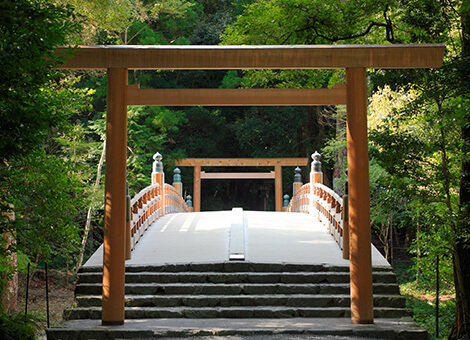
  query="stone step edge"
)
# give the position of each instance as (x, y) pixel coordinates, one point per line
(292, 288)
(85, 334)
(254, 296)
(395, 328)
(212, 277)
(232, 285)
(230, 267)
(234, 274)
(232, 313)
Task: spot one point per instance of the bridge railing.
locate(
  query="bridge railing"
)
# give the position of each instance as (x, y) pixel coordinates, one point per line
(317, 198)
(153, 202)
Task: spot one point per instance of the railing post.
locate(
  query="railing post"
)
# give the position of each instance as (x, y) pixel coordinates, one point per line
(285, 203)
(189, 203)
(345, 221)
(128, 222)
(297, 181)
(158, 176)
(177, 181)
(316, 174)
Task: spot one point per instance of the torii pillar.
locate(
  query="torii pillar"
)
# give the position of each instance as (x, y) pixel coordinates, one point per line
(362, 306)
(114, 241)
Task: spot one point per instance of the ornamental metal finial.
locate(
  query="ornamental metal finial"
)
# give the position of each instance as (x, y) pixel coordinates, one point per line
(298, 175)
(157, 164)
(286, 201)
(177, 175)
(316, 164)
(189, 201)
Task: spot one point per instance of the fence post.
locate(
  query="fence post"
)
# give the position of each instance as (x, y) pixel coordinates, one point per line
(285, 203)
(346, 220)
(177, 181)
(158, 176)
(316, 174)
(128, 223)
(297, 181)
(189, 203)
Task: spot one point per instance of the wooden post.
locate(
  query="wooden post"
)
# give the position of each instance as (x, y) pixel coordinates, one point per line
(189, 203)
(115, 199)
(285, 203)
(346, 221)
(158, 176)
(316, 174)
(128, 223)
(278, 186)
(177, 181)
(362, 311)
(197, 188)
(297, 181)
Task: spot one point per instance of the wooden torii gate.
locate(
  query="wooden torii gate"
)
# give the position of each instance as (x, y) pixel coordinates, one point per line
(355, 59)
(277, 163)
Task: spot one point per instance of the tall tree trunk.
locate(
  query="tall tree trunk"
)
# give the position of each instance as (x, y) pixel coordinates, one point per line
(90, 210)
(10, 290)
(461, 250)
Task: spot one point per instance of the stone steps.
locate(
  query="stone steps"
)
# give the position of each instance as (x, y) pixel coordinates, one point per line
(241, 301)
(215, 277)
(258, 312)
(272, 329)
(233, 289)
(236, 290)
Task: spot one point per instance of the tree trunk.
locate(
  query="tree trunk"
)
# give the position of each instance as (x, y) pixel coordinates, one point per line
(10, 289)
(460, 249)
(90, 210)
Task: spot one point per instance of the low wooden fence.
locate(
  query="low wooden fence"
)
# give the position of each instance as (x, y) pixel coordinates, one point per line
(331, 209)
(151, 203)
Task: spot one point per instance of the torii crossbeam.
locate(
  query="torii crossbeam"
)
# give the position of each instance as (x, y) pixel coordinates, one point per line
(355, 59)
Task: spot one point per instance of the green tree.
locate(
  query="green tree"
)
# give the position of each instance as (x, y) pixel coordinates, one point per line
(30, 31)
(425, 150)
(117, 18)
(34, 109)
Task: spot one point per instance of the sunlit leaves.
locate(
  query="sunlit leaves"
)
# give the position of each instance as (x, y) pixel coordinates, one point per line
(117, 16)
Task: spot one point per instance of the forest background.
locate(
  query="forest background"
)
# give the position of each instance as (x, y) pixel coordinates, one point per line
(52, 137)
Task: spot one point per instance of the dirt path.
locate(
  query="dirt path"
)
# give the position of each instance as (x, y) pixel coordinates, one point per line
(60, 297)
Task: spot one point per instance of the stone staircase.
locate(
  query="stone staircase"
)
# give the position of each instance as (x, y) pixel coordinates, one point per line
(236, 290)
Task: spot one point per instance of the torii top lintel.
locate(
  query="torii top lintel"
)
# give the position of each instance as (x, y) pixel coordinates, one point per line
(253, 57)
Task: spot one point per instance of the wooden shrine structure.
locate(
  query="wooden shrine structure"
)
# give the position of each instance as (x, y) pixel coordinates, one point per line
(277, 163)
(355, 59)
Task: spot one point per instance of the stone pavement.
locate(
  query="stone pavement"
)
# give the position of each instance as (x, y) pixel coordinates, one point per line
(254, 329)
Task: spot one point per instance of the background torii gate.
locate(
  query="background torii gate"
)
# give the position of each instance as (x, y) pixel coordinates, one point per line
(355, 59)
(277, 163)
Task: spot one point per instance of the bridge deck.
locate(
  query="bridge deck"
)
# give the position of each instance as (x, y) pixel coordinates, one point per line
(270, 237)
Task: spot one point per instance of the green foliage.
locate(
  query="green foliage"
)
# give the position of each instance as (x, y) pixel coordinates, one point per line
(18, 326)
(268, 132)
(46, 194)
(424, 313)
(148, 129)
(116, 21)
(421, 299)
(30, 31)
(311, 22)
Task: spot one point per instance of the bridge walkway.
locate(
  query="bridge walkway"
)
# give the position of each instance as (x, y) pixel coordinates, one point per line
(270, 237)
